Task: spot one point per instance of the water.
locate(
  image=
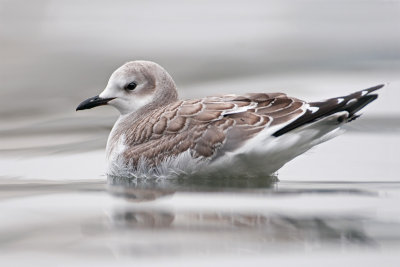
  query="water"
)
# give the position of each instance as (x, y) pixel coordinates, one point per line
(332, 202)
(337, 205)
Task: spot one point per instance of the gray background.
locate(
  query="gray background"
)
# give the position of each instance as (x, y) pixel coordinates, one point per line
(56, 53)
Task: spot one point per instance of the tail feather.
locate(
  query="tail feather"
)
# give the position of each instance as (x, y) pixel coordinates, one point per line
(351, 103)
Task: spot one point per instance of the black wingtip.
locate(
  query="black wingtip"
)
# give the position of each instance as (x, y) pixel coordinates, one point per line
(374, 88)
(351, 103)
(360, 104)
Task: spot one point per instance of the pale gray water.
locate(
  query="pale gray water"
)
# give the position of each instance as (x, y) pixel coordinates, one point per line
(336, 205)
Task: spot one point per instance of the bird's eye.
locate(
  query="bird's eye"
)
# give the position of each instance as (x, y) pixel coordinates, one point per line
(131, 86)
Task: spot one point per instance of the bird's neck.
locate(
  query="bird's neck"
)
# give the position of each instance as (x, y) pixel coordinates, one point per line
(125, 125)
(165, 94)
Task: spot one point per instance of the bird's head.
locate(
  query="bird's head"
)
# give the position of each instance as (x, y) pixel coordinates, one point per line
(135, 85)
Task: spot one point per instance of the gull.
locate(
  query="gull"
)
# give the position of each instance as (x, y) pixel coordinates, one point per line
(159, 135)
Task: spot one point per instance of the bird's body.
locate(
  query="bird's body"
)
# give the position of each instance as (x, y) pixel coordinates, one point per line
(158, 135)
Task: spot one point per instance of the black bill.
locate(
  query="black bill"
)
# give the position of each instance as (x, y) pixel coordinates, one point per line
(93, 102)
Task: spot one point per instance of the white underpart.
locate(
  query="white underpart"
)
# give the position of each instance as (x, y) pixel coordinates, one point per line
(115, 157)
(183, 164)
(268, 153)
(256, 145)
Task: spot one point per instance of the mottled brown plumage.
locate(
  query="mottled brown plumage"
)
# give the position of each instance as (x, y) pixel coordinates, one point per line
(202, 125)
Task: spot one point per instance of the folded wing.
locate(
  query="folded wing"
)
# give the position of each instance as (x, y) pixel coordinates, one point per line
(205, 125)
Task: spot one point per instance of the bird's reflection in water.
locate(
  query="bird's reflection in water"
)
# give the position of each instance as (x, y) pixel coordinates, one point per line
(272, 228)
(257, 229)
(151, 189)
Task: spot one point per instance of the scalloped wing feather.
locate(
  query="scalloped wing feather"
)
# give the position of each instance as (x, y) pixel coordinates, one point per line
(207, 128)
